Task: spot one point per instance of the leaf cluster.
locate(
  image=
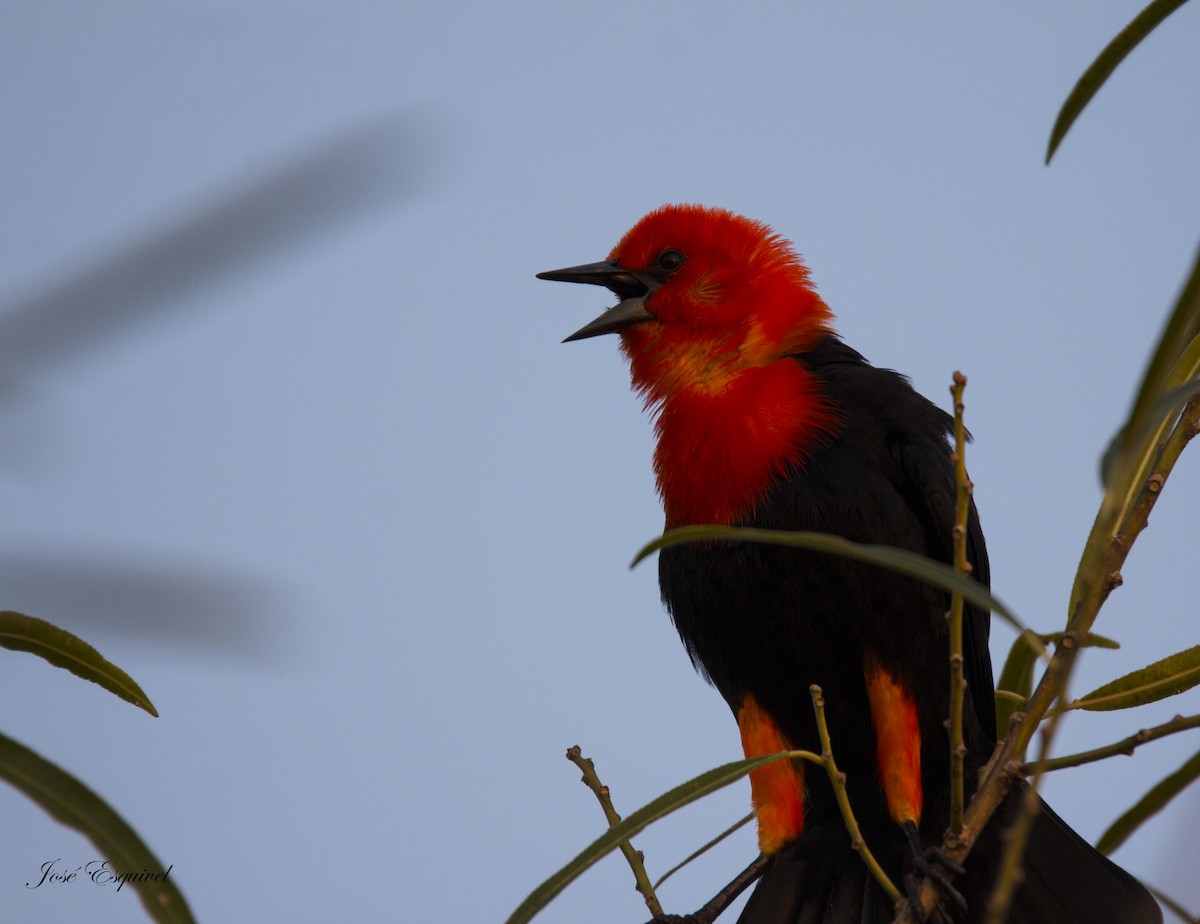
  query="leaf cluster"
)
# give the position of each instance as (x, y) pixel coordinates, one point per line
(63, 796)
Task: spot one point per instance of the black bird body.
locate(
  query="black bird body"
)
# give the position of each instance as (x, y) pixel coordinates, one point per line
(807, 617)
(765, 418)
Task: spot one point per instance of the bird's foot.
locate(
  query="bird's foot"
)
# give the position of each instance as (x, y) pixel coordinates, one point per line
(933, 864)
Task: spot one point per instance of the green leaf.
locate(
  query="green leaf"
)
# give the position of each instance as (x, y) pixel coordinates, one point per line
(1015, 677)
(72, 803)
(1175, 363)
(1113, 54)
(676, 798)
(1149, 805)
(885, 556)
(1163, 412)
(701, 851)
(1171, 675)
(1129, 461)
(62, 649)
(1017, 674)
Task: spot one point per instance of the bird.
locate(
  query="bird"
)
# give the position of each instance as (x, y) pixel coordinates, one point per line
(764, 417)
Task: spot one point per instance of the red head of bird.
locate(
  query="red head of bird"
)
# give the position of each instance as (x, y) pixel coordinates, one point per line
(713, 308)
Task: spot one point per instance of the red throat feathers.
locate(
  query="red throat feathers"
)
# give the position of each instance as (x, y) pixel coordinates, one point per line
(729, 416)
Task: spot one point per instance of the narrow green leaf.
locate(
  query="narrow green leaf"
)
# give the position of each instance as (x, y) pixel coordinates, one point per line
(1113, 54)
(701, 851)
(1129, 461)
(664, 805)
(1176, 361)
(885, 556)
(72, 803)
(1171, 675)
(1162, 413)
(1017, 673)
(19, 632)
(1149, 805)
(1015, 677)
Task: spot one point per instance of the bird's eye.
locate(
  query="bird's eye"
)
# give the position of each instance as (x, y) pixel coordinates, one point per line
(669, 260)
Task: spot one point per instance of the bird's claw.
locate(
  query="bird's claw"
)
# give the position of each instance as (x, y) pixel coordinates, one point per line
(926, 869)
(934, 864)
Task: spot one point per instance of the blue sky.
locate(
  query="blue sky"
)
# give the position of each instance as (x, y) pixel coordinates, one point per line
(288, 432)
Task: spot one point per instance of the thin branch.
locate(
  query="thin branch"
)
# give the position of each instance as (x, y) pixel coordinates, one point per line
(1139, 511)
(838, 780)
(1099, 573)
(634, 857)
(740, 823)
(1011, 872)
(958, 683)
(1094, 595)
(718, 903)
(1125, 746)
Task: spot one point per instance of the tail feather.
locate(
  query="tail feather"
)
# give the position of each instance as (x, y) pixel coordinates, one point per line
(819, 879)
(1066, 879)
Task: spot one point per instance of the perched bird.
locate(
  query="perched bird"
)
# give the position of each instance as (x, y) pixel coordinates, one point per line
(764, 418)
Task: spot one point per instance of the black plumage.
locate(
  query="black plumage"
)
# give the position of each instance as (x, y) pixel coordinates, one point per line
(768, 621)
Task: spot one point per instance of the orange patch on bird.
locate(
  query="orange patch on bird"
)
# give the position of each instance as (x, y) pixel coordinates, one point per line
(699, 367)
(706, 290)
(776, 790)
(897, 741)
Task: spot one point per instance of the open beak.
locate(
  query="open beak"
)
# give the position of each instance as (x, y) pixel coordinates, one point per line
(631, 287)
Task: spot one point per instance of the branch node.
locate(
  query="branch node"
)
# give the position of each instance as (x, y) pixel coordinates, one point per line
(838, 780)
(633, 857)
